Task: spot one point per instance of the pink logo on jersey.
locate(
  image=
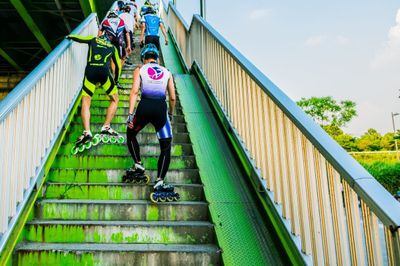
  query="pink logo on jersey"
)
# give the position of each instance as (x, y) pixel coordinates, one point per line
(155, 73)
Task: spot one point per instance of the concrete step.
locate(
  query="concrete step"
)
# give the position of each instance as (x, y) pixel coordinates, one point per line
(126, 210)
(117, 254)
(82, 160)
(122, 103)
(120, 111)
(76, 128)
(121, 119)
(122, 149)
(115, 191)
(90, 175)
(123, 95)
(139, 232)
(144, 138)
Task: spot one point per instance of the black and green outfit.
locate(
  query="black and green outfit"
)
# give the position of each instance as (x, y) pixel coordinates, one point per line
(97, 72)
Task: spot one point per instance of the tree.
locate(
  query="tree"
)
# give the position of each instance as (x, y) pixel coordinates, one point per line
(327, 111)
(347, 141)
(370, 141)
(387, 142)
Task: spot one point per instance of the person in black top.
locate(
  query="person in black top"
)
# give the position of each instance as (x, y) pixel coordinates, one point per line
(98, 74)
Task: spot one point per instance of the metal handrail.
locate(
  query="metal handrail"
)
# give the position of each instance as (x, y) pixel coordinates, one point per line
(312, 163)
(31, 119)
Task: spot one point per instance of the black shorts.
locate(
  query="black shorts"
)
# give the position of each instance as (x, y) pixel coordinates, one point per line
(120, 49)
(98, 77)
(131, 38)
(152, 111)
(154, 40)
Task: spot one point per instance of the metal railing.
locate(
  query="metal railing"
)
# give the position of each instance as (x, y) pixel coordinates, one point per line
(32, 117)
(336, 212)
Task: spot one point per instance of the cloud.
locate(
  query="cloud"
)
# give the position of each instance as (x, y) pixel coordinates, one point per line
(319, 40)
(314, 41)
(389, 53)
(258, 14)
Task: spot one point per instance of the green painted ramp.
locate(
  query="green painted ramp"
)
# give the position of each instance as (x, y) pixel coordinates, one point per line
(242, 235)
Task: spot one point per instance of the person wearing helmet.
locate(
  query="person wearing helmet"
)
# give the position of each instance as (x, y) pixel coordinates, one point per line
(117, 33)
(129, 24)
(151, 24)
(145, 8)
(97, 74)
(132, 4)
(154, 82)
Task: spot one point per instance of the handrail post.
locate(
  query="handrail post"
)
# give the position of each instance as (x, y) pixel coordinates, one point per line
(203, 9)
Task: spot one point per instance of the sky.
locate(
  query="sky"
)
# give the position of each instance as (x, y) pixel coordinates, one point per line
(349, 50)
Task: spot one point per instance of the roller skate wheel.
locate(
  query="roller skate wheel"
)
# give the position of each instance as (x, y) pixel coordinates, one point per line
(120, 139)
(113, 139)
(105, 139)
(96, 140)
(153, 197)
(177, 197)
(81, 148)
(147, 179)
(74, 150)
(170, 199)
(163, 199)
(88, 145)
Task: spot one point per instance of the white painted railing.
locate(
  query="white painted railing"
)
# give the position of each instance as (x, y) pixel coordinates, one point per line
(31, 118)
(331, 206)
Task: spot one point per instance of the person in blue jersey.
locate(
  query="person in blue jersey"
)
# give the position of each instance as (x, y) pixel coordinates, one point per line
(151, 25)
(154, 82)
(97, 74)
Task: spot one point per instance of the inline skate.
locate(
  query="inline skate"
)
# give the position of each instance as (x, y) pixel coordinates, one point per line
(108, 134)
(136, 175)
(163, 192)
(84, 142)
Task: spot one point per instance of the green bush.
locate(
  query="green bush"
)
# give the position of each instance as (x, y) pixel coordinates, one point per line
(386, 173)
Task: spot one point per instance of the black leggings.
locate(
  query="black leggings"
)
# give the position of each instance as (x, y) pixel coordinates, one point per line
(154, 112)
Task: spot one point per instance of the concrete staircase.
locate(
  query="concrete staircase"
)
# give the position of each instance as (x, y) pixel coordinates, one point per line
(87, 216)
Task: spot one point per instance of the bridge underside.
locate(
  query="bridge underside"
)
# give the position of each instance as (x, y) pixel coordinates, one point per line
(32, 28)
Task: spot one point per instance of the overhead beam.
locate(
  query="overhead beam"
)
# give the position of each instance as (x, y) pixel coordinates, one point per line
(31, 24)
(60, 9)
(10, 60)
(88, 6)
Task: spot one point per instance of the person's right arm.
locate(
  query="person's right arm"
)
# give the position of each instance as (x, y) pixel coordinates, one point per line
(80, 39)
(133, 95)
(171, 95)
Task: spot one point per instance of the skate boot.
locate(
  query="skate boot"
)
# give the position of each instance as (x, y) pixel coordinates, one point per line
(84, 142)
(163, 192)
(108, 134)
(136, 175)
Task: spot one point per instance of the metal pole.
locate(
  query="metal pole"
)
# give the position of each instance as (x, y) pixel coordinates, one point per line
(203, 9)
(394, 131)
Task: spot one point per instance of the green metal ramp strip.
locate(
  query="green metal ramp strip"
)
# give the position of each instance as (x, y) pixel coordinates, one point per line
(242, 236)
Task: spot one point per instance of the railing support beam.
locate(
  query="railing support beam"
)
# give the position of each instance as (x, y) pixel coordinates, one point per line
(31, 24)
(10, 60)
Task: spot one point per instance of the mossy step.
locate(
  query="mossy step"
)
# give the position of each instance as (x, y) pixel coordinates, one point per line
(120, 111)
(117, 254)
(122, 119)
(126, 210)
(116, 162)
(144, 138)
(115, 191)
(121, 128)
(106, 103)
(139, 232)
(122, 149)
(182, 176)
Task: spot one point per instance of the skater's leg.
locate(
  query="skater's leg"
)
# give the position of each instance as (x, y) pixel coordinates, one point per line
(111, 110)
(85, 112)
(133, 144)
(164, 159)
(112, 92)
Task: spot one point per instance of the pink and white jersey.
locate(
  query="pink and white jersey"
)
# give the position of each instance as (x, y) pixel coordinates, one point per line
(154, 80)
